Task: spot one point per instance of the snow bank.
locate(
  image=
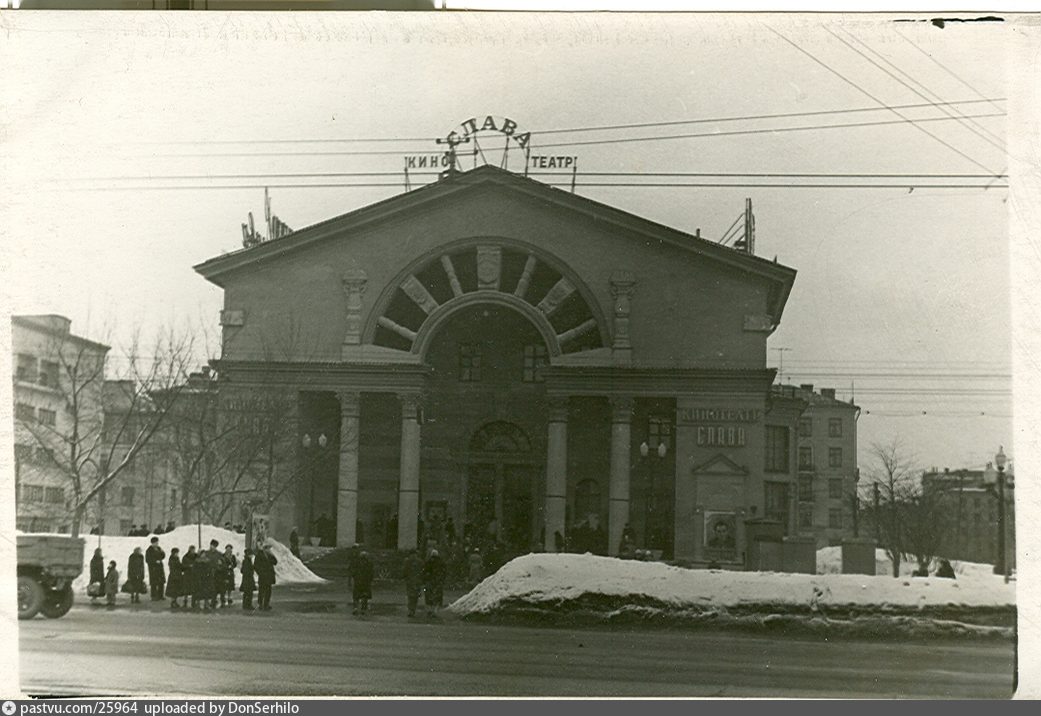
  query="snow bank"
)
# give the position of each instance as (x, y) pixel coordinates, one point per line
(829, 561)
(546, 579)
(289, 569)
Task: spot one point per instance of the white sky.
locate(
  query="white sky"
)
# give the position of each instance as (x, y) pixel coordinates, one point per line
(890, 281)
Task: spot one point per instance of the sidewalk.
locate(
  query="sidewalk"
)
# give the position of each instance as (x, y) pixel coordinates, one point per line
(388, 599)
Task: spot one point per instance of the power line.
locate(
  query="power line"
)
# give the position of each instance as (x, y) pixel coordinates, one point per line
(328, 175)
(946, 111)
(621, 140)
(876, 99)
(944, 67)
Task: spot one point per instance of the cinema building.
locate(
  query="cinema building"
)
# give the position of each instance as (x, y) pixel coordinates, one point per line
(528, 362)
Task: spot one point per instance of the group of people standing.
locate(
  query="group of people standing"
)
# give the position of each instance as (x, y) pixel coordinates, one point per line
(423, 577)
(203, 580)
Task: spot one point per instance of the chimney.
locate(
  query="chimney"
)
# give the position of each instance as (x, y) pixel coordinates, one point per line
(807, 387)
(828, 393)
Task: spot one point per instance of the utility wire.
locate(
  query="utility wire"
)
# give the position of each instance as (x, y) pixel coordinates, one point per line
(944, 67)
(946, 111)
(621, 140)
(914, 123)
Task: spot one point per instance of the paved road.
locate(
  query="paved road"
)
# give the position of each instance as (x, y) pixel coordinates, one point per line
(121, 652)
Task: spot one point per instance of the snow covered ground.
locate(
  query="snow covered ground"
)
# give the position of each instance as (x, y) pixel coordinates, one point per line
(289, 569)
(829, 561)
(555, 580)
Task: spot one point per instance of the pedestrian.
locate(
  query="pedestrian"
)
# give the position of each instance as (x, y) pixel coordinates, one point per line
(413, 569)
(476, 567)
(294, 543)
(361, 590)
(111, 584)
(97, 576)
(229, 563)
(248, 584)
(154, 557)
(945, 570)
(175, 584)
(558, 541)
(209, 573)
(434, 581)
(450, 533)
(188, 572)
(264, 567)
(135, 584)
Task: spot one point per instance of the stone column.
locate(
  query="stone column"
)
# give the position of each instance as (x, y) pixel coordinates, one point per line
(408, 485)
(347, 485)
(556, 469)
(618, 492)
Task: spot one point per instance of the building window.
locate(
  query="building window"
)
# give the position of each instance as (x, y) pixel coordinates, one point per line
(805, 516)
(26, 368)
(534, 361)
(834, 427)
(587, 500)
(32, 493)
(47, 417)
(55, 495)
(805, 458)
(126, 496)
(805, 488)
(835, 488)
(24, 412)
(659, 432)
(469, 362)
(835, 519)
(775, 502)
(835, 457)
(776, 448)
(805, 427)
(49, 373)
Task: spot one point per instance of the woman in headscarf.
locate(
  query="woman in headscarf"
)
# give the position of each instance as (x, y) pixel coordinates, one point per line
(175, 581)
(136, 576)
(97, 575)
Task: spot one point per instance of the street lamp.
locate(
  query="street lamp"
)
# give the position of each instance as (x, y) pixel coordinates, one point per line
(645, 451)
(305, 441)
(1000, 562)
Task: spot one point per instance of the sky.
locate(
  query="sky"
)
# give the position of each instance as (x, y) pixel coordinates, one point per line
(901, 300)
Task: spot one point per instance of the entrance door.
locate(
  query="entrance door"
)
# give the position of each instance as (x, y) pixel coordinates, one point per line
(500, 502)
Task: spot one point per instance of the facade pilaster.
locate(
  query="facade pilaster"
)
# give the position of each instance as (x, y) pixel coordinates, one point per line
(556, 469)
(408, 485)
(618, 492)
(347, 483)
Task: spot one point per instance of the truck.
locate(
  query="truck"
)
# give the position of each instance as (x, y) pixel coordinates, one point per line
(47, 565)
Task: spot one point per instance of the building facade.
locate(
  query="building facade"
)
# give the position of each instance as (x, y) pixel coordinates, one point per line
(827, 465)
(969, 523)
(532, 364)
(46, 353)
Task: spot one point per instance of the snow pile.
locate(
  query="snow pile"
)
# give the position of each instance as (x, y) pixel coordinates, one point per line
(558, 579)
(829, 561)
(289, 569)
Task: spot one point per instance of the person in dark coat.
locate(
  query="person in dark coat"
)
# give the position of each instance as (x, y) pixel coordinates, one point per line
(188, 574)
(207, 570)
(413, 580)
(175, 584)
(434, 581)
(135, 585)
(294, 543)
(248, 584)
(264, 567)
(154, 557)
(362, 587)
(228, 565)
(111, 585)
(945, 570)
(97, 574)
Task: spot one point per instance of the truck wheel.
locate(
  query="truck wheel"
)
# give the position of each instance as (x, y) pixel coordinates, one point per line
(30, 597)
(57, 603)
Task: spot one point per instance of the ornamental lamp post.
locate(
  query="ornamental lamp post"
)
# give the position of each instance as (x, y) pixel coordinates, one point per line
(645, 452)
(305, 442)
(1000, 564)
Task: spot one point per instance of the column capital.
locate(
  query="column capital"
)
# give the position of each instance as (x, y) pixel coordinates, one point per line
(621, 408)
(623, 283)
(410, 404)
(354, 281)
(350, 402)
(558, 408)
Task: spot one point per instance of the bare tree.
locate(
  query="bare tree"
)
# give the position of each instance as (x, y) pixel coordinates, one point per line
(892, 477)
(104, 425)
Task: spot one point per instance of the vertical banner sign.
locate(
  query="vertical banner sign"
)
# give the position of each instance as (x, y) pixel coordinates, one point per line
(259, 529)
